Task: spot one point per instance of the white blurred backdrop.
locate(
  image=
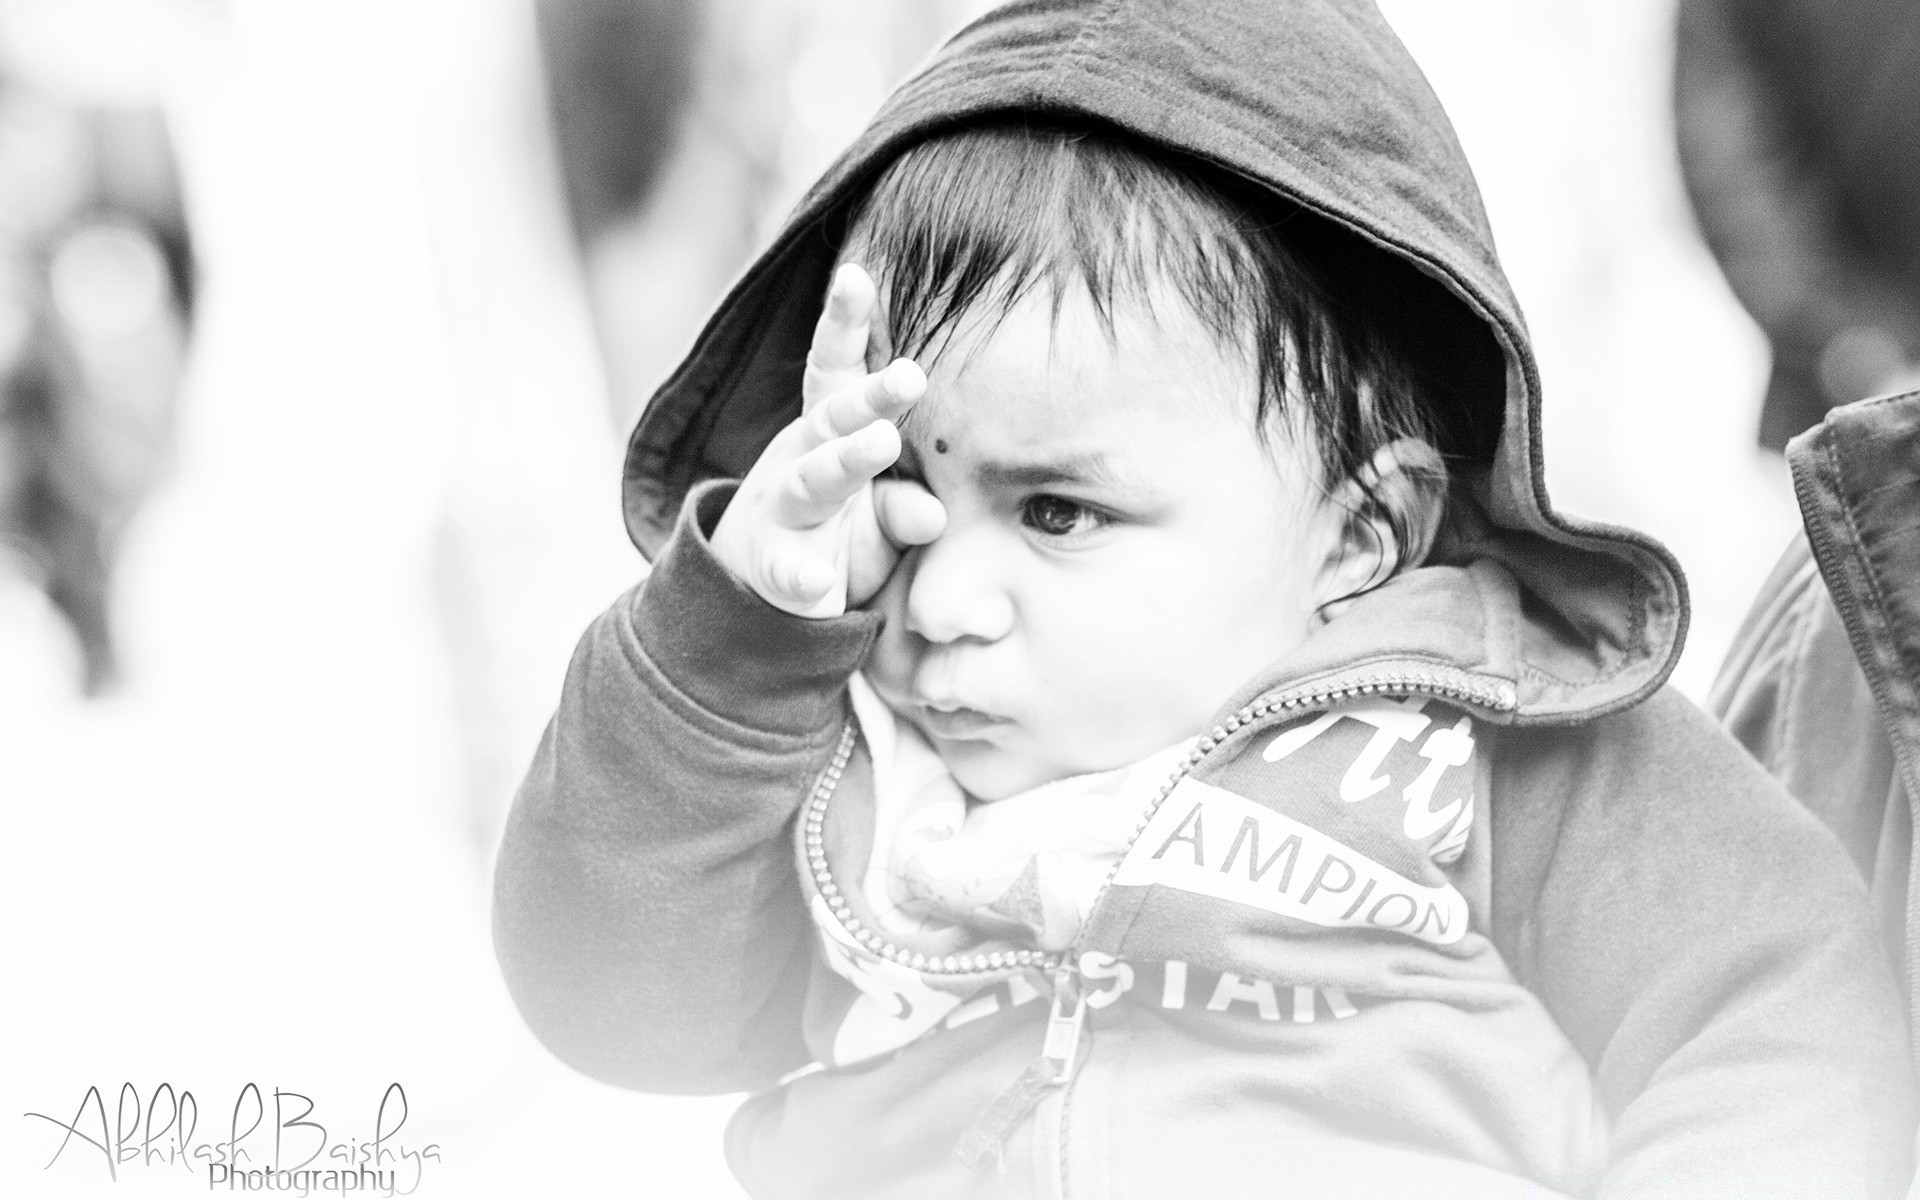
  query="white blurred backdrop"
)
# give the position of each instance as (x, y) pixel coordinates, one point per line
(391, 504)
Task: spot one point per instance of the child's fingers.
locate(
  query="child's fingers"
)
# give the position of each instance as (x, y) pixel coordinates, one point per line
(837, 356)
(881, 396)
(827, 476)
(894, 388)
(908, 514)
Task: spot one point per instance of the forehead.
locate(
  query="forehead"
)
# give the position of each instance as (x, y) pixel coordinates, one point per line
(1056, 377)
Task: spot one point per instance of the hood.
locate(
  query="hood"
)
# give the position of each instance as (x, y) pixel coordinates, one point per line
(1318, 101)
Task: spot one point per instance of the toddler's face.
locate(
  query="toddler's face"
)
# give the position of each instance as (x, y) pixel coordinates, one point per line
(1122, 550)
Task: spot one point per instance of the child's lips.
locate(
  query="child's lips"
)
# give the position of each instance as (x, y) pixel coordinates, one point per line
(957, 722)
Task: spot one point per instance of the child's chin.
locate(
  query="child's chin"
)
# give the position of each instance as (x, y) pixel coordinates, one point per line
(988, 773)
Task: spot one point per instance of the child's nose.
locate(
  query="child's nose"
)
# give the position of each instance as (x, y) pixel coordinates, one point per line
(954, 593)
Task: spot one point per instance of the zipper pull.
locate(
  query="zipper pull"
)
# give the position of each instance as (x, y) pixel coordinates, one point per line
(980, 1146)
(1069, 1017)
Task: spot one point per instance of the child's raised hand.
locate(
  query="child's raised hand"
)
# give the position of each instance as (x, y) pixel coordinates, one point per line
(809, 529)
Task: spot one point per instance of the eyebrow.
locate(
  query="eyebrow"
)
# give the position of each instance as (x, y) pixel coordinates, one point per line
(1083, 469)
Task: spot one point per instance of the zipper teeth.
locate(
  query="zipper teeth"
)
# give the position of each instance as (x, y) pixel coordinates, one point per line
(815, 820)
(1499, 696)
(1442, 684)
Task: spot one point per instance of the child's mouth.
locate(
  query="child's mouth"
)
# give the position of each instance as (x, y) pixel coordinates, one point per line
(957, 723)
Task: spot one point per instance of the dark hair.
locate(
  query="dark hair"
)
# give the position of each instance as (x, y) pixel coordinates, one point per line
(970, 222)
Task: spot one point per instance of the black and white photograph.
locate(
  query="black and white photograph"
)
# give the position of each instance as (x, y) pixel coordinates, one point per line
(801, 599)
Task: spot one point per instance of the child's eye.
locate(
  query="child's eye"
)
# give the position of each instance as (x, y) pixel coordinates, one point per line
(1057, 516)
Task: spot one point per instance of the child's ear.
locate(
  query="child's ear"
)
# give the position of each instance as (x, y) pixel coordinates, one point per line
(1387, 515)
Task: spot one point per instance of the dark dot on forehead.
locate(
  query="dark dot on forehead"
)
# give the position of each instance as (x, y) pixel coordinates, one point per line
(940, 445)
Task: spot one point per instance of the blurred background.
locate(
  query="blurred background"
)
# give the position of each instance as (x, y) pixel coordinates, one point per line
(321, 324)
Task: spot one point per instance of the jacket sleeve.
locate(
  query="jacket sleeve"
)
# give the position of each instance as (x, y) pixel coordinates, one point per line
(1707, 946)
(647, 916)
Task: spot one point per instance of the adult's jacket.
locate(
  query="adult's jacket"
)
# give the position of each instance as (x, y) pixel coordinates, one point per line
(1701, 940)
(1823, 681)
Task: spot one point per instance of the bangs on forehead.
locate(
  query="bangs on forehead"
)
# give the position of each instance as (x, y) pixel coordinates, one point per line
(1350, 346)
(968, 225)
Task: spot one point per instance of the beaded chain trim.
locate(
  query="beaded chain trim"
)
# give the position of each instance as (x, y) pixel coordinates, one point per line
(1499, 697)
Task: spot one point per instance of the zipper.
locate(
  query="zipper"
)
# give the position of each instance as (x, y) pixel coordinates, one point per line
(1440, 682)
(1066, 1024)
(813, 825)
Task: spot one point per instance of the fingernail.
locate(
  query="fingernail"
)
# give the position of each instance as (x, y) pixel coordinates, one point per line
(904, 378)
(804, 580)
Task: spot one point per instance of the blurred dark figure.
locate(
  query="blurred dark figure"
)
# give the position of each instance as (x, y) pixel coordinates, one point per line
(1799, 134)
(96, 287)
(619, 72)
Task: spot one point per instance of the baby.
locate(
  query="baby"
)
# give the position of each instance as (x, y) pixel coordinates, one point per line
(1135, 727)
(1150, 455)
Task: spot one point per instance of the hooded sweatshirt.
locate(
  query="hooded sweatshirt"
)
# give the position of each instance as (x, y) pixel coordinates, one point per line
(1702, 942)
